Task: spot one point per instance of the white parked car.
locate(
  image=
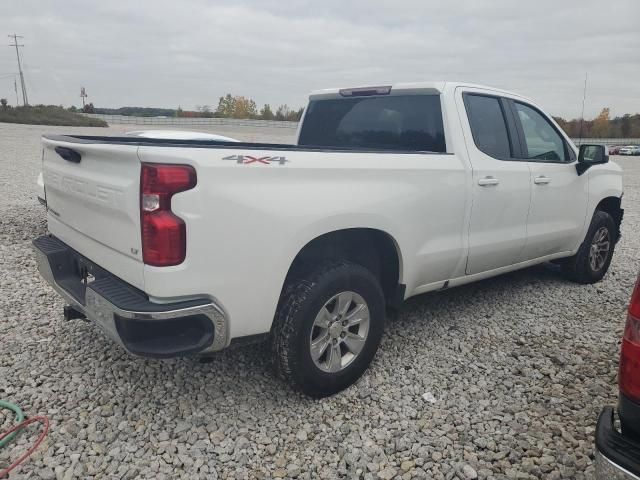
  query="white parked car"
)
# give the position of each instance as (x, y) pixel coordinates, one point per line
(185, 247)
(629, 150)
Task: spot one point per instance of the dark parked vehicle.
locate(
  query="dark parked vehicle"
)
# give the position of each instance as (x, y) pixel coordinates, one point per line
(618, 447)
(614, 150)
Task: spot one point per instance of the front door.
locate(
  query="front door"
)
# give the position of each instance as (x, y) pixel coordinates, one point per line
(558, 193)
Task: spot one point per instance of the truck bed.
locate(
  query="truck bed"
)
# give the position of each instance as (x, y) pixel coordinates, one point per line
(163, 142)
(255, 205)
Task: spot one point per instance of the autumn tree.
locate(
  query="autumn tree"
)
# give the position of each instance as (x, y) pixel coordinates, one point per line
(244, 108)
(236, 106)
(600, 126)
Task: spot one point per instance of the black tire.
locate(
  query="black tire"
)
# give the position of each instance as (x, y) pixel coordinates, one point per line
(578, 268)
(301, 301)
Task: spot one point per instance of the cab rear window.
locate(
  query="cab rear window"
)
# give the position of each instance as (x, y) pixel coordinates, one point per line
(394, 122)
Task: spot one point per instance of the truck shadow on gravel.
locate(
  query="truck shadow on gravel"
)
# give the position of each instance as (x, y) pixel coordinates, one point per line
(245, 373)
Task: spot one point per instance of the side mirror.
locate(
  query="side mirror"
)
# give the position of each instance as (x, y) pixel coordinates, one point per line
(590, 155)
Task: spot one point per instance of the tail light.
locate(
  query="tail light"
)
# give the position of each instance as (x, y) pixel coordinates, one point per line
(164, 236)
(629, 374)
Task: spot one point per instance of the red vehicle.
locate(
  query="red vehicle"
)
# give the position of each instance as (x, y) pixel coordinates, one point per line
(614, 150)
(618, 450)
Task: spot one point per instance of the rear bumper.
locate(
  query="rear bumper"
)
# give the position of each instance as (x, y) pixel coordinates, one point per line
(125, 313)
(617, 457)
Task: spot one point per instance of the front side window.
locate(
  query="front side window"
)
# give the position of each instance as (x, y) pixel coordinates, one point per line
(542, 141)
(488, 126)
(394, 122)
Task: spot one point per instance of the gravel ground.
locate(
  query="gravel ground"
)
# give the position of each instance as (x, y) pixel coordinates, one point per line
(517, 368)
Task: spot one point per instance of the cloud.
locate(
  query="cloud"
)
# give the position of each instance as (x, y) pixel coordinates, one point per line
(168, 53)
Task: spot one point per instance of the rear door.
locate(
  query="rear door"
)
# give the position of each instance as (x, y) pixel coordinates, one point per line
(501, 182)
(405, 129)
(559, 195)
(93, 203)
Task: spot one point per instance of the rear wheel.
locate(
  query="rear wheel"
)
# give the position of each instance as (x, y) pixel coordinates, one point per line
(328, 328)
(594, 256)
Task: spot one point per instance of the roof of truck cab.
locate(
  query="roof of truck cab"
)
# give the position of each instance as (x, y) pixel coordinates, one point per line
(413, 87)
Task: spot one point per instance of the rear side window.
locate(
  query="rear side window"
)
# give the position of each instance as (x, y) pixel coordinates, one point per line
(395, 122)
(488, 125)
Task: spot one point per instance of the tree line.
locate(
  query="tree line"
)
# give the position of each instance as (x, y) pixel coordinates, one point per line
(626, 126)
(237, 106)
(229, 106)
(132, 111)
(45, 115)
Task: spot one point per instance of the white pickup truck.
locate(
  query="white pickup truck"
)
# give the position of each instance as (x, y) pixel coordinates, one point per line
(178, 247)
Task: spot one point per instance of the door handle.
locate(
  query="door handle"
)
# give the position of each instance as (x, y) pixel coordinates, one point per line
(487, 181)
(541, 180)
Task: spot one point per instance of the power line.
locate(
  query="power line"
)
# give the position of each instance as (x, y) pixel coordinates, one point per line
(15, 37)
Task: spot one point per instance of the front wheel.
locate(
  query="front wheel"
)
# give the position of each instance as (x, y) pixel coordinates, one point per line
(594, 256)
(328, 327)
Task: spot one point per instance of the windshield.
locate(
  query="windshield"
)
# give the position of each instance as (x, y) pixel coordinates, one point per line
(395, 122)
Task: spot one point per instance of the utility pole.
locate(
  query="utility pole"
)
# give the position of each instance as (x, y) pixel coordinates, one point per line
(15, 37)
(84, 95)
(15, 87)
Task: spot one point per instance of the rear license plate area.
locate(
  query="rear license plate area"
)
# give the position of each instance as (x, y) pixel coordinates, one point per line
(74, 273)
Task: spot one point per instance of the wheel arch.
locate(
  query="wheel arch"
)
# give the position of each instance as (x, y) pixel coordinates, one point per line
(372, 248)
(612, 206)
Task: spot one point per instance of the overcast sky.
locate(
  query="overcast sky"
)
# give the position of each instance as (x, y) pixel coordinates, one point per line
(166, 53)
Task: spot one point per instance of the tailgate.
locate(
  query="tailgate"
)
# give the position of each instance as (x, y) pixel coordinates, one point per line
(93, 203)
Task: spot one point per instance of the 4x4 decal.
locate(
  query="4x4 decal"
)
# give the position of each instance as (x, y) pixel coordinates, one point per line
(248, 159)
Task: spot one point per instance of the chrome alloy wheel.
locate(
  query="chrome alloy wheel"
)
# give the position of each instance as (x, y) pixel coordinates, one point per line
(339, 331)
(599, 250)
